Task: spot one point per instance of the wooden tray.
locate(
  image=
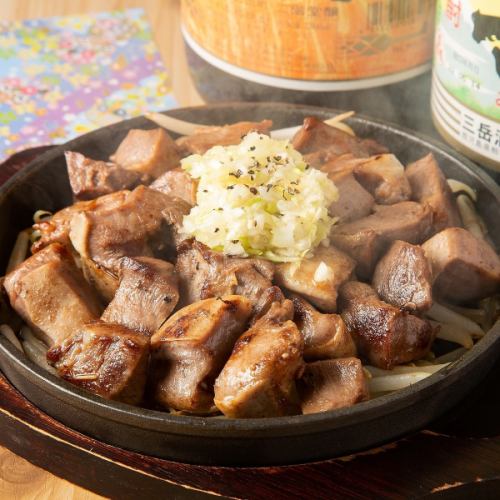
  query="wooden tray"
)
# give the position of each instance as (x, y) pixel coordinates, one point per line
(454, 458)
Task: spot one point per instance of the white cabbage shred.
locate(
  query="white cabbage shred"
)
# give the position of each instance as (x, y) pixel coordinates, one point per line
(259, 198)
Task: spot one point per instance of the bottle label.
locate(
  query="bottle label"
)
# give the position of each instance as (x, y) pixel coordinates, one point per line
(314, 40)
(466, 81)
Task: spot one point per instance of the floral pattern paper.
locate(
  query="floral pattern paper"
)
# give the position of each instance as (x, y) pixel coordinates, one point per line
(63, 76)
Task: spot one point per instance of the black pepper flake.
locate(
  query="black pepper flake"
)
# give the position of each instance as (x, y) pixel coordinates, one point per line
(277, 158)
(252, 148)
(253, 190)
(220, 209)
(216, 230)
(307, 167)
(237, 174)
(269, 186)
(230, 187)
(254, 223)
(205, 190)
(295, 183)
(167, 299)
(251, 172)
(235, 241)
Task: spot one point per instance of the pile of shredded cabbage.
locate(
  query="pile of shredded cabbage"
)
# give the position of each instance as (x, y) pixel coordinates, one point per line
(259, 198)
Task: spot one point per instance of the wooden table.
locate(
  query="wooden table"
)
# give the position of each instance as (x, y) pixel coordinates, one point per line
(18, 478)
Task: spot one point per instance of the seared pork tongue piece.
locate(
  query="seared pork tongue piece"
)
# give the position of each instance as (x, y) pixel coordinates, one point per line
(366, 239)
(403, 277)
(227, 135)
(50, 294)
(331, 384)
(147, 294)
(354, 200)
(190, 349)
(384, 176)
(258, 380)
(325, 335)
(429, 187)
(464, 268)
(149, 153)
(144, 224)
(106, 359)
(384, 335)
(56, 229)
(317, 278)
(177, 183)
(204, 273)
(329, 142)
(90, 179)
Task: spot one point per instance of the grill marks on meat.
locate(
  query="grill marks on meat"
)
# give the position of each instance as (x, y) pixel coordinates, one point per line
(384, 176)
(354, 200)
(50, 294)
(227, 135)
(429, 187)
(204, 273)
(403, 278)
(384, 335)
(177, 183)
(190, 349)
(464, 268)
(331, 384)
(317, 278)
(325, 335)
(150, 153)
(329, 142)
(258, 380)
(365, 239)
(147, 294)
(144, 224)
(90, 179)
(106, 359)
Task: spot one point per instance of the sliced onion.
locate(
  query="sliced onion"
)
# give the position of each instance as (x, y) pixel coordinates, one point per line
(20, 250)
(461, 187)
(396, 381)
(9, 334)
(445, 315)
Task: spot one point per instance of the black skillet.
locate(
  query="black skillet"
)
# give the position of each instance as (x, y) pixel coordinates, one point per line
(218, 441)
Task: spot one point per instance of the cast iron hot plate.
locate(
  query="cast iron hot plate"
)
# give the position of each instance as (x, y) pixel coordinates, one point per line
(220, 441)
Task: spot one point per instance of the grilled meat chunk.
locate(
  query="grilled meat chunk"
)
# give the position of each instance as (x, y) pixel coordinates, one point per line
(177, 183)
(366, 239)
(103, 281)
(384, 176)
(190, 349)
(325, 335)
(50, 294)
(429, 187)
(227, 135)
(318, 277)
(204, 273)
(90, 179)
(331, 384)
(354, 200)
(464, 268)
(56, 229)
(315, 136)
(147, 294)
(144, 224)
(384, 335)
(147, 152)
(106, 359)
(403, 278)
(258, 380)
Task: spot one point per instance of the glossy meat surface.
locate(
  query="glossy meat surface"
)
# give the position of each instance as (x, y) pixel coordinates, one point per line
(204, 273)
(106, 359)
(178, 183)
(331, 384)
(90, 179)
(190, 349)
(143, 224)
(147, 152)
(50, 294)
(258, 380)
(384, 335)
(366, 239)
(403, 277)
(464, 268)
(147, 295)
(429, 186)
(384, 177)
(317, 278)
(227, 135)
(325, 335)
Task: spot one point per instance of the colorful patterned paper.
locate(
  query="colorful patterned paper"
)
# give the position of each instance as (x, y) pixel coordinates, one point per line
(63, 76)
